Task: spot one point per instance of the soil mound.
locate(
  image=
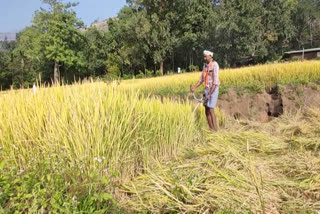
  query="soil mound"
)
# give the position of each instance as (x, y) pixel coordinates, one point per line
(271, 103)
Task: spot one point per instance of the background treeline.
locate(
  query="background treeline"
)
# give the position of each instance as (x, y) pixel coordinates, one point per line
(154, 37)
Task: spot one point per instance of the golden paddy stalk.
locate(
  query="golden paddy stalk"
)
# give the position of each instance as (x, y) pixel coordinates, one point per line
(246, 167)
(269, 168)
(267, 75)
(98, 125)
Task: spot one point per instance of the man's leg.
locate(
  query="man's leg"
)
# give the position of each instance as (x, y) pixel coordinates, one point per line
(209, 119)
(213, 120)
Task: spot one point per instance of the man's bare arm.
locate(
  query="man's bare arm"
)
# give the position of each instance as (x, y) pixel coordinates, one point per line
(195, 86)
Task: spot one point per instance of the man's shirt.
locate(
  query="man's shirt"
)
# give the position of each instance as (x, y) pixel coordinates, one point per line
(213, 76)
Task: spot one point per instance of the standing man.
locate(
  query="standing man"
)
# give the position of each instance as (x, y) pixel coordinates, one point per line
(210, 79)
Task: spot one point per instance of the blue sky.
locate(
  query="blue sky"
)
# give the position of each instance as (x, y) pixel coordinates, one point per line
(16, 14)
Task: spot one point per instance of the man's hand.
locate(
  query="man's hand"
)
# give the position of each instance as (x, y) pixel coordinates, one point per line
(192, 89)
(207, 98)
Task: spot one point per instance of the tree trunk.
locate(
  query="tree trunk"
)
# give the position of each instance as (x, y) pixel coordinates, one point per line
(173, 63)
(56, 73)
(311, 36)
(21, 74)
(161, 67)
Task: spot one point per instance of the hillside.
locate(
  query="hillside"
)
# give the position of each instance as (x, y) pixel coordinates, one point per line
(8, 36)
(102, 25)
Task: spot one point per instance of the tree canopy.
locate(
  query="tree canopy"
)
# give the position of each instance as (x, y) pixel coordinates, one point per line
(154, 37)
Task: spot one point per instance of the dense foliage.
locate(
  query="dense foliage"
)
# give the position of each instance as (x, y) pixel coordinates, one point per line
(150, 38)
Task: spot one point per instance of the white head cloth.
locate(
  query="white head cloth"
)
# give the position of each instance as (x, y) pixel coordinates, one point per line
(207, 53)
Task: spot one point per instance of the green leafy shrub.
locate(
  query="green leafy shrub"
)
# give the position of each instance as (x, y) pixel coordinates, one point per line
(51, 185)
(193, 68)
(140, 75)
(149, 73)
(295, 58)
(158, 73)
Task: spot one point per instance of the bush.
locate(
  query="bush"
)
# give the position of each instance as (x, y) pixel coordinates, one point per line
(127, 76)
(295, 58)
(149, 73)
(53, 187)
(140, 75)
(158, 73)
(170, 72)
(113, 72)
(193, 68)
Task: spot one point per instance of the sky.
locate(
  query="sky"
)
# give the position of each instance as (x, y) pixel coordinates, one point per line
(17, 14)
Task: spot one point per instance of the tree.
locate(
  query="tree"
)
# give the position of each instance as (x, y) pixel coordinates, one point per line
(5, 74)
(127, 41)
(306, 19)
(194, 25)
(26, 57)
(160, 38)
(237, 34)
(61, 38)
(278, 26)
(96, 52)
(6, 49)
